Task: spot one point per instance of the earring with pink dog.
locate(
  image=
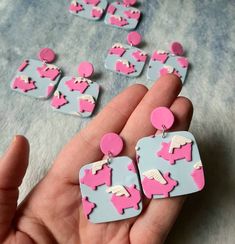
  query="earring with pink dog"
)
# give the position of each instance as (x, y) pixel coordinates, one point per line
(110, 187)
(127, 59)
(169, 163)
(77, 95)
(37, 78)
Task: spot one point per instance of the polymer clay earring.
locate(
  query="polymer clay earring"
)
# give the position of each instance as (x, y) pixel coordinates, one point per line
(88, 9)
(123, 15)
(163, 62)
(77, 95)
(37, 78)
(169, 163)
(110, 188)
(127, 60)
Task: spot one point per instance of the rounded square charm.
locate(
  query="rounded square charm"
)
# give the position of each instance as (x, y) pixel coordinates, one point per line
(169, 166)
(76, 96)
(36, 79)
(110, 190)
(121, 16)
(126, 60)
(163, 62)
(89, 9)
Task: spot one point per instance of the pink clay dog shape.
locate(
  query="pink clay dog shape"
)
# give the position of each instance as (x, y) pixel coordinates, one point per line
(183, 62)
(118, 21)
(161, 57)
(165, 71)
(58, 101)
(23, 85)
(123, 202)
(152, 187)
(123, 68)
(198, 177)
(139, 56)
(87, 206)
(46, 72)
(23, 65)
(132, 167)
(111, 9)
(119, 51)
(96, 13)
(74, 85)
(76, 7)
(184, 151)
(92, 2)
(86, 106)
(102, 176)
(132, 14)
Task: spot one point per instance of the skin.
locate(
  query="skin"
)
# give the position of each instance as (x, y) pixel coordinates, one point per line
(52, 212)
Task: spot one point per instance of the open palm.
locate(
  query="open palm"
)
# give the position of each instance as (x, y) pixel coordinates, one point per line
(52, 212)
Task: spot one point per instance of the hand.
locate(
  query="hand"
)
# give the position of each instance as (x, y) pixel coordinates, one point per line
(52, 212)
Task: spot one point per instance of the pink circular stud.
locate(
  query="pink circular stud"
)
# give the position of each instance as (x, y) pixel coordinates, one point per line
(85, 69)
(134, 38)
(46, 55)
(162, 118)
(129, 2)
(177, 48)
(111, 143)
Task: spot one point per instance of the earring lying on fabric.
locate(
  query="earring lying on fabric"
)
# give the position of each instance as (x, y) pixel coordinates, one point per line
(110, 188)
(37, 78)
(169, 163)
(122, 15)
(163, 62)
(77, 95)
(127, 60)
(89, 9)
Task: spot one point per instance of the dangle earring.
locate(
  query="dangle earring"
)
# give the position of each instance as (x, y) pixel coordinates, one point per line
(110, 188)
(169, 163)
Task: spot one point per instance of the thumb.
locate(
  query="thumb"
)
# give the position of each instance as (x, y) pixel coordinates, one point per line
(13, 166)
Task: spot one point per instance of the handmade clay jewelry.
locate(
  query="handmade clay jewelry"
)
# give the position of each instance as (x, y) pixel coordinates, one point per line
(37, 78)
(123, 15)
(169, 163)
(77, 95)
(127, 60)
(89, 9)
(110, 188)
(163, 62)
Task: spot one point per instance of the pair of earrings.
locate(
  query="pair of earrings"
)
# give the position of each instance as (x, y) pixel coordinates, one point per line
(119, 14)
(168, 164)
(39, 79)
(130, 61)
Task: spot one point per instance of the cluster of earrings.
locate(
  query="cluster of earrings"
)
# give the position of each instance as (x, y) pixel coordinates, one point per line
(40, 79)
(118, 14)
(130, 61)
(168, 165)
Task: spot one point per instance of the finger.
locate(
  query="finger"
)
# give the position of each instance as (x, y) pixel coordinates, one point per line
(84, 147)
(13, 166)
(163, 93)
(158, 218)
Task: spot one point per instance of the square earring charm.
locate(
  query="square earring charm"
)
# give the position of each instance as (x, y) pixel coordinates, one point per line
(163, 62)
(110, 188)
(89, 9)
(37, 78)
(121, 15)
(169, 164)
(126, 60)
(77, 95)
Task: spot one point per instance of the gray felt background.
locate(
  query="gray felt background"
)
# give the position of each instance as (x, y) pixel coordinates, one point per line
(207, 30)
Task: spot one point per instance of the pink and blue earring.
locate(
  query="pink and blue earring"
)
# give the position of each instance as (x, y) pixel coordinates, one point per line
(123, 15)
(163, 62)
(77, 95)
(88, 9)
(37, 78)
(110, 188)
(127, 60)
(169, 163)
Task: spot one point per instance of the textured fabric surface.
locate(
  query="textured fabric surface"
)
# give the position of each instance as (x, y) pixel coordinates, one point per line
(207, 31)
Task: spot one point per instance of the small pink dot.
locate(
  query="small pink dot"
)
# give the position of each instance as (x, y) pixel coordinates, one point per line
(162, 118)
(46, 55)
(85, 69)
(134, 38)
(177, 48)
(111, 143)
